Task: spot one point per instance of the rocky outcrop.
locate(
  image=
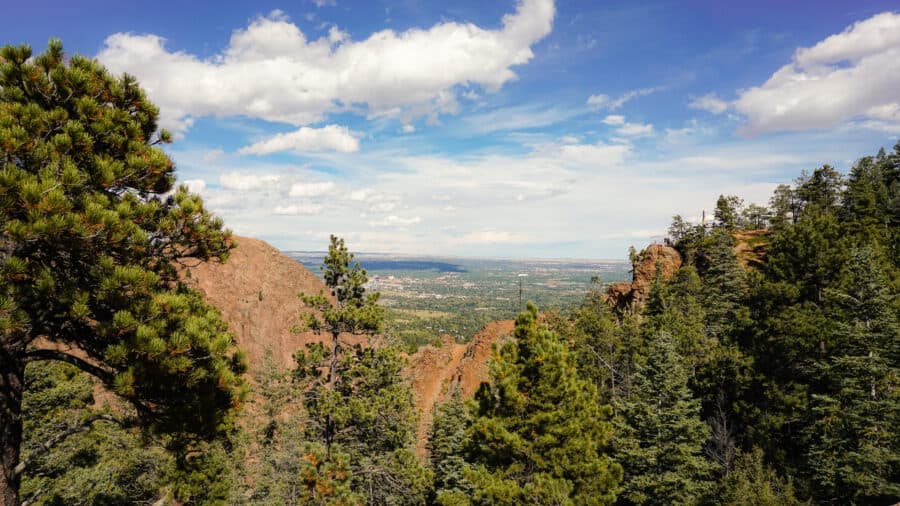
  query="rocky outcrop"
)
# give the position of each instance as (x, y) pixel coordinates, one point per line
(256, 291)
(626, 295)
(432, 371)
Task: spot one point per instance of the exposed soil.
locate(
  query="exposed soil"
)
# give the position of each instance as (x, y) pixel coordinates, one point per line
(750, 247)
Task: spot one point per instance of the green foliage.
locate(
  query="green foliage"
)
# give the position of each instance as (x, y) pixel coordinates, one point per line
(104, 465)
(728, 211)
(539, 433)
(446, 441)
(356, 402)
(660, 435)
(752, 483)
(89, 239)
(854, 441)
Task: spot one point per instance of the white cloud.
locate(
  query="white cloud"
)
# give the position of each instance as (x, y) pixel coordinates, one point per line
(710, 103)
(848, 76)
(636, 130)
(270, 70)
(518, 117)
(395, 221)
(212, 155)
(597, 101)
(382, 207)
(303, 209)
(602, 101)
(195, 185)
(492, 237)
(243, 181)
(614, 119)
(323, 3)
(311, 189)
(361, 195)
(408, 129)
(307, 139)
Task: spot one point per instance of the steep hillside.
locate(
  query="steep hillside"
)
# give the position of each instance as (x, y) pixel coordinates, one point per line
(432, 371)
(256, 291)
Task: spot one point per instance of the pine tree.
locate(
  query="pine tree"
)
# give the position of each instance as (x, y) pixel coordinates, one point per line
(356, 401)
(728, 210)
(854, 454)
(660, 435)
(539, 432)
(753, 483)
(446, 442)
(89, 239)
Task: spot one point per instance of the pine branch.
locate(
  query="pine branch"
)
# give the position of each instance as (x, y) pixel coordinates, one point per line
(43, 354)
(45, 447)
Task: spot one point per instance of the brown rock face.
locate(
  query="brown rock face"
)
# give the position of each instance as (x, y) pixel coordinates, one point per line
(432, 371)
(623, 295)
(256, 291)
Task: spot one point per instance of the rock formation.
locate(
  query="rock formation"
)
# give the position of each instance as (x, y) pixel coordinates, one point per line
(256, 291)
(433, 370)
(624, 295)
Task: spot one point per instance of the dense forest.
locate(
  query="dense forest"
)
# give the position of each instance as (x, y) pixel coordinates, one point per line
(763, 378)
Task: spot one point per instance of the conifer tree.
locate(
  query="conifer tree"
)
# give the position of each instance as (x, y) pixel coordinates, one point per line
(728, 211)
(753, 483)
(357, 404)
(446, 442)
(854, 453)
(539, 432)
(89, 239)
(660, 436)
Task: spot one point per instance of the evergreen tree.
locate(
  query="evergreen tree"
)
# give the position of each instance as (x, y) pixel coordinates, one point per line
(356, 401)
(660, 435)
(446, 442)
(784, 207)
(105, 465)
(755, 216)
(821, 189)
(89, 240)
(728, 211)
(752, 483)
(539, 432)
(854, 455)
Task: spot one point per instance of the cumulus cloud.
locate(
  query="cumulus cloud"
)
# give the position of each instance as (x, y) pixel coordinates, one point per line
(307, 139)
(603, 101)
(614, 119)
(195, 185)
(710, 103)
(311, 189)
(848, 76)
(304, 209)
(271, 70)
(244, 181)
(635, 130)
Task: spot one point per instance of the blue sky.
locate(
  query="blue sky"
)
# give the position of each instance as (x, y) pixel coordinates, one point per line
(527, 128)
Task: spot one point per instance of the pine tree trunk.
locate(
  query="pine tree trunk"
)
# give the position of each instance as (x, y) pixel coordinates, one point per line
(12, 374)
